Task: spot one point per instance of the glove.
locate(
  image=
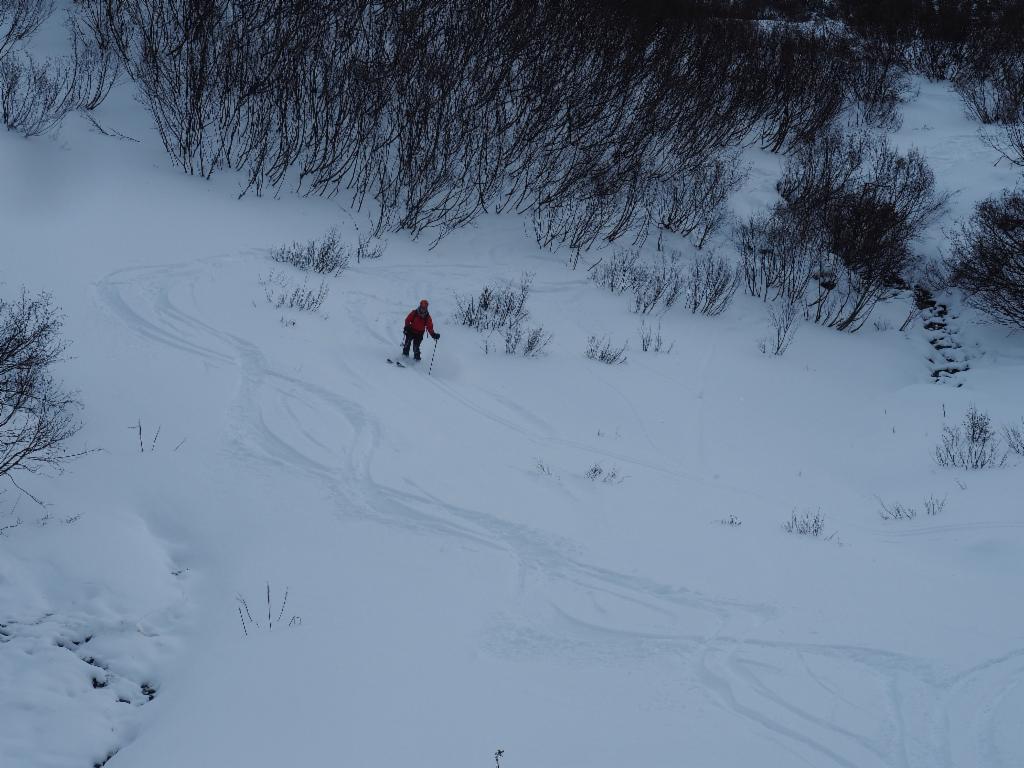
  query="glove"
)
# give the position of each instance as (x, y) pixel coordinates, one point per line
(437, 336)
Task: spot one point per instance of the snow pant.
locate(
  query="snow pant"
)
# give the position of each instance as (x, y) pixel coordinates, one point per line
(415, 339)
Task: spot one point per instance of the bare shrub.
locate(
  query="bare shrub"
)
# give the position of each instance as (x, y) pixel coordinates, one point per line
(368, 249)
(651, 339)
(533, 343)
(602, 350)
(840, 239)
(497, 306)
(37, 416)
(987, 261)
(597, 472)
(731, 520)
(775, 258)
(653, 283)
(1014, 435)
(710, 285)
(500, 308)
(1008, 139)
(896, 511)
(933, 505)
(616, 273)
(275, 614)
(696, 205)
(282, 293)
(783, 316)
(19, 19)
(656, 283)
(35, 97)
(805, 523)
(96, 63)
(328, 256)
(879, 80)
(972, 445)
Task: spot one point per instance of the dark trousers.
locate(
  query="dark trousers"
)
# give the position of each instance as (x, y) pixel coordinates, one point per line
(411, 337)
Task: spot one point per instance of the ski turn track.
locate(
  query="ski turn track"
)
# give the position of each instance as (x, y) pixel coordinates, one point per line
(927, 716)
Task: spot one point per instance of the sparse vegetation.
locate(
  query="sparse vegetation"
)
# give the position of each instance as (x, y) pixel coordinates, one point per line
(896, 511)
(36, 96)
(328, 256)
(1014, 434)
(973, 444)
(282, 293)
(275, 614)
(933, 505)
(597, 472)
(805, 523)
(651, 339)
(603, 350)
(783, 316)
(500, 308)
(710, 285)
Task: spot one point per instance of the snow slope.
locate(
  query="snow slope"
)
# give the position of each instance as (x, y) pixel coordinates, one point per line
(447, 597)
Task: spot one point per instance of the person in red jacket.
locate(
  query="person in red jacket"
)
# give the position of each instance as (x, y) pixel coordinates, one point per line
(416, 322)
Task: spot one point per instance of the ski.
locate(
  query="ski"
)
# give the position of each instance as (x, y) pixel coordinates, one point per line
(395, 362)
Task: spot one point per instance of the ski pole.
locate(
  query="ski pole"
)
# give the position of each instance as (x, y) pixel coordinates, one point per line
(432, 358)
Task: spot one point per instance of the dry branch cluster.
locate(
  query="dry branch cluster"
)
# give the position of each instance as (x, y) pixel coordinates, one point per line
(437, 111)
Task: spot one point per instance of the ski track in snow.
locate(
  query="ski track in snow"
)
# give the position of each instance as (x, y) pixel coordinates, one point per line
(930, 716)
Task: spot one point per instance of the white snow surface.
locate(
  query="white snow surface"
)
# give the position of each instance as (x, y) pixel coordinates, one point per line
(449, 597)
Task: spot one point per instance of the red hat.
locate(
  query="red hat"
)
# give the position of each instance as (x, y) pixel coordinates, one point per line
(424, 303)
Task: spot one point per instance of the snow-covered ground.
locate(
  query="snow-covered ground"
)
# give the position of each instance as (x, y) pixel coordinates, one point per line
(455, 583)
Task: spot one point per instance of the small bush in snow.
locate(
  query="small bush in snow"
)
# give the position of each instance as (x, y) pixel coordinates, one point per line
(597, 472)
(710, 285)
(281, 293)
(896, 511)
(972, 445)
(602, 350)
(651, 340)
(658, 283)
(653, 284)
(805, 523)
(616, 272)
(275, 614)
(37, 416)
(731, 520)
(783, 317)
(500, 308)
(328, 256)
(1015, 437)
(933, 505)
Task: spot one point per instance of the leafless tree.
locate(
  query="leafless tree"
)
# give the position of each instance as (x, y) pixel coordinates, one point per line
(37, 416)
(987, 259)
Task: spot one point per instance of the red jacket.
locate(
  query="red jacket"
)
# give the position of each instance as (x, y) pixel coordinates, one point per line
(417, 323)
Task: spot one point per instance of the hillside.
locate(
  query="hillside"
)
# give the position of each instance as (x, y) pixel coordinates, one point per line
(579, 564)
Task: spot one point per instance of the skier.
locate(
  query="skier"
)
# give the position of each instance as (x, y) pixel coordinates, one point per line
(416, 322)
